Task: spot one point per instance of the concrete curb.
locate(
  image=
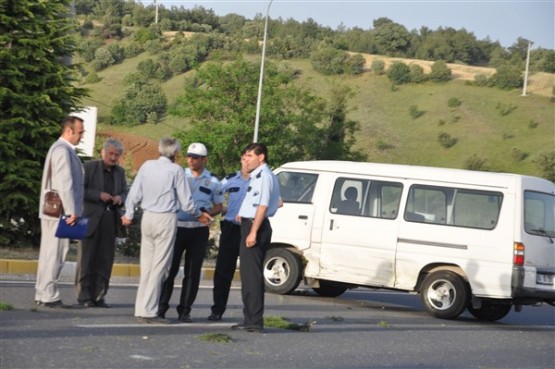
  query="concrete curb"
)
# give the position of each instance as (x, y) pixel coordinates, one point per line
(14, 266)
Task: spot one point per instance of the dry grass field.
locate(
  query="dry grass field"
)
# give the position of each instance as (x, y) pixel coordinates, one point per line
(538, 83)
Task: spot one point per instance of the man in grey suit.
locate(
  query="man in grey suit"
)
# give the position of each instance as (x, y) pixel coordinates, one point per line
(105, 189)
(67, 178)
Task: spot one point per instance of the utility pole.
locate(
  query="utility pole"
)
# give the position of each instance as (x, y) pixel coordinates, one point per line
(526, 70)
(156, 5)
(257, 119)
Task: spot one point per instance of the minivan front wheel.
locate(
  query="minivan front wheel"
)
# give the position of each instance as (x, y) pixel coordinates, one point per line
(282, 271)
(329, 289)
(444, 294)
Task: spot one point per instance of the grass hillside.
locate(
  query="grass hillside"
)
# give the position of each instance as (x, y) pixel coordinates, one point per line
(502, 127)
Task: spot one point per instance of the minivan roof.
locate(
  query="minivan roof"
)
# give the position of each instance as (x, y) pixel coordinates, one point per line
(450, 175)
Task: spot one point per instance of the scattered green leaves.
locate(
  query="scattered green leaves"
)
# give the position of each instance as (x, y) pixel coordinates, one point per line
(215, 338)
(6, 307)
(283, 323)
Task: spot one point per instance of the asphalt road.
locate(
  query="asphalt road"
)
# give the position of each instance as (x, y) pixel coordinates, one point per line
(361, 329)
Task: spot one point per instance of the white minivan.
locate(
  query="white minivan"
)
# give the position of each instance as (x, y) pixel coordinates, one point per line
(461, 239)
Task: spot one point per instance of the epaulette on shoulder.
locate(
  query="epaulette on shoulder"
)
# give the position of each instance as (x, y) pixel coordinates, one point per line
(229, 176)
(259, 175)
(215, 176)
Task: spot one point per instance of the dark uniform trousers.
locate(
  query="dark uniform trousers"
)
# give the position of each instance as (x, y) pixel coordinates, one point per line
(193, 243)
(252, 279)
(97, 255)
(230, 239)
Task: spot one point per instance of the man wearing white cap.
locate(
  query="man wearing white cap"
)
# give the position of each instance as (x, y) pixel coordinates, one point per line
(192, 236)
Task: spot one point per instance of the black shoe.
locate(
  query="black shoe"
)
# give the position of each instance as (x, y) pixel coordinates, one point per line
(215, 317)
(185, 318)
(153, 320)
(87, 304)
(247, 328)
(54, 304)
(103, 304)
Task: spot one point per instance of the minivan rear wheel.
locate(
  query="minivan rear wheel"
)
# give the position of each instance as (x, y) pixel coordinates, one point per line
(444, 294)
(282, 271)
(490, 313)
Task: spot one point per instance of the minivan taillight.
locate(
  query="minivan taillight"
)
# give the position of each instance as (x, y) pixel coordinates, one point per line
(518, 257)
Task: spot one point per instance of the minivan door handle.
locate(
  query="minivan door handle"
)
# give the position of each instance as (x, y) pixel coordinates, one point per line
(331, 224)
(303, 217)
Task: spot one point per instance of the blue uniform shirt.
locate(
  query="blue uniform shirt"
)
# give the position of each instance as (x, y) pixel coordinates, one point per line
(236, 188)
(263, 190)
(205, 191)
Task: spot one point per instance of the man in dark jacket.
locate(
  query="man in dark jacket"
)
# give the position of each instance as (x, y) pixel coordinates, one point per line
(105, 190)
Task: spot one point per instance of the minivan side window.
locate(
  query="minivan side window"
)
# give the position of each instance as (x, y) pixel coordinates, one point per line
(539, 213)
(297, 187)
(453, 206)
(374, 199)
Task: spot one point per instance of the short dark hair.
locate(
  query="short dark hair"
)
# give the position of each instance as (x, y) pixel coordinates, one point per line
(258, 149)
(69, 122)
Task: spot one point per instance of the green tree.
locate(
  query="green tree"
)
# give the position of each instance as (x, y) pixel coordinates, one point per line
(139, 102)
(392, 39)
(36, 91)
(219, 104)
(109, 13)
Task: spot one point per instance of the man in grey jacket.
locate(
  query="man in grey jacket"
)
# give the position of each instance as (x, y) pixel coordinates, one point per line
(65, 170)
(105, 190)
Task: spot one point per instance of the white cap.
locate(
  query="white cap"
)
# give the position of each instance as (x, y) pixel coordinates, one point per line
(197, 149)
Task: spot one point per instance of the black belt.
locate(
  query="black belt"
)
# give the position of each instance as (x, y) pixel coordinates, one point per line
(252, 219)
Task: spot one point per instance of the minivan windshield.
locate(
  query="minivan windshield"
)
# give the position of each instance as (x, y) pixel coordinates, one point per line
(539, 213)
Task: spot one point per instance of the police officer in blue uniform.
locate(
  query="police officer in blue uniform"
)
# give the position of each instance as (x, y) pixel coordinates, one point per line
(192, 236)
(235, 185)
(261, 202)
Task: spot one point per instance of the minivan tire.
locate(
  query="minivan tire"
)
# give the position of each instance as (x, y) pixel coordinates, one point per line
(444, 294)
(329, 289)
(490, 313)
(282, 271)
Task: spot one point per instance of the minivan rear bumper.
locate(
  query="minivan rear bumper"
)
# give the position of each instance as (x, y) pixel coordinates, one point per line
(523, 292)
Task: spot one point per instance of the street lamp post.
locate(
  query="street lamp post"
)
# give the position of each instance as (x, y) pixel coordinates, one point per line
(258, 101)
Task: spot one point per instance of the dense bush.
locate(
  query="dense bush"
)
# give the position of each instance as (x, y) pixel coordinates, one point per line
(474, 162)
(446, 140)
(355, 64)
(417, 74)
(398, 73)
(414, 112)
(453, 102)
(329, 61)
(546, 162)
(102, 59)
(378, 67)
(508, 77)
(440, 72)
